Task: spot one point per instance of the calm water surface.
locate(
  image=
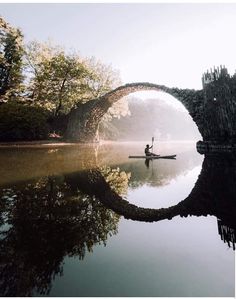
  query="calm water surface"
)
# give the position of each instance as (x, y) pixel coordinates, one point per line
(84, 220)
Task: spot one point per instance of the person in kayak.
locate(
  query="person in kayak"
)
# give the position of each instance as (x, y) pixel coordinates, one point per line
(147, 151)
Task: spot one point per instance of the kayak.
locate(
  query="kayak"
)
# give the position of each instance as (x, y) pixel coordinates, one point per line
(154, 157)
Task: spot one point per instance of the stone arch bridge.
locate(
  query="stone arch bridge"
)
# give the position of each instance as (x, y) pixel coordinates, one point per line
(212, 108)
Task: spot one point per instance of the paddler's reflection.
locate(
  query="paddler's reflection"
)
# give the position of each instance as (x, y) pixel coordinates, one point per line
(147, 161)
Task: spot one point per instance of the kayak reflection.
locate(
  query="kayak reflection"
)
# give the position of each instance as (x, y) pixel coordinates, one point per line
(46, 219)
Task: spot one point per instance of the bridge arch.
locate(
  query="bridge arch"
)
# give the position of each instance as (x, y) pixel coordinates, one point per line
(85, 118)
(124, 90)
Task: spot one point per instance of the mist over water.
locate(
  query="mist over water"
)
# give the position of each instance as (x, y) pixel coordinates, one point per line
(162, 117)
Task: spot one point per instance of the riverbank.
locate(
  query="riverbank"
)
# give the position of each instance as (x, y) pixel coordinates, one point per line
(39, 143)
(60, 142)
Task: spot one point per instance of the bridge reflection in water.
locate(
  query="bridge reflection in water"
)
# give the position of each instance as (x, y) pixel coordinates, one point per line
(213, 194)
(54, 216)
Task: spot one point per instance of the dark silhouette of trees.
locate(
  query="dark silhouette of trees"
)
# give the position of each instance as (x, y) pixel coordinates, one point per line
(44, 221)
(11, 61)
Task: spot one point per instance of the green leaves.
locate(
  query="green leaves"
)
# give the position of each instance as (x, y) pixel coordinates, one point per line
(45, 75)
(21, 122)
(59, 80)
(11, 54)
(55, 77)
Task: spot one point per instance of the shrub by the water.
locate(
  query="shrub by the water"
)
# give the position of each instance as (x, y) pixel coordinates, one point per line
(21, 122)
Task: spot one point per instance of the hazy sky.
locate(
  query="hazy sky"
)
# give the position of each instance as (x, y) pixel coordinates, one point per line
(171, 44)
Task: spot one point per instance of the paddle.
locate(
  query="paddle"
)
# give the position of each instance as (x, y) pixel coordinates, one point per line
(152, 143)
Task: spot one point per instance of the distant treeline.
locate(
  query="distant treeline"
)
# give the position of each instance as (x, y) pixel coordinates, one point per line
(152, 117)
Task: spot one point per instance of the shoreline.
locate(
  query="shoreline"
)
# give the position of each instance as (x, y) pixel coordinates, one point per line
(41, 143)
(56, 143)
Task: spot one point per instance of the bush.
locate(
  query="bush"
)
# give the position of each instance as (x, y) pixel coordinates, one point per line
(58, 124)
(21, 122)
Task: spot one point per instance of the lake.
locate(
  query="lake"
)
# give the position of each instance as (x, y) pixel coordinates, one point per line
(85, 220)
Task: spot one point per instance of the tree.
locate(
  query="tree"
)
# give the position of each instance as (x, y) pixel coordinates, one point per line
(53, 79)
(56, 81)
(11, 61)
(59, 81)
(102, 80)
(22, 122)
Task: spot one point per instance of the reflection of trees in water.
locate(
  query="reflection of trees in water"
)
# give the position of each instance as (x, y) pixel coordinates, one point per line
(117, 180)
(160, 172)
(213, 194)
(55, 216)
(19, 164)
(45, 221)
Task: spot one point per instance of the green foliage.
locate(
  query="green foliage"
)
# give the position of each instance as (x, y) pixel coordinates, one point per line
(102, 78)
(53, 80)
(20, 122)
(56, 78)
(11, 53)
(59, 81)
(118, 180)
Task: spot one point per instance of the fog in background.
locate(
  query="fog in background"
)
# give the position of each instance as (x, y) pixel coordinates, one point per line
(152, 117)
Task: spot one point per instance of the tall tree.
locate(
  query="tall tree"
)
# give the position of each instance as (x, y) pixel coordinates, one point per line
(103, 78)
(11, 60)
(58, 81)
(56, 78)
